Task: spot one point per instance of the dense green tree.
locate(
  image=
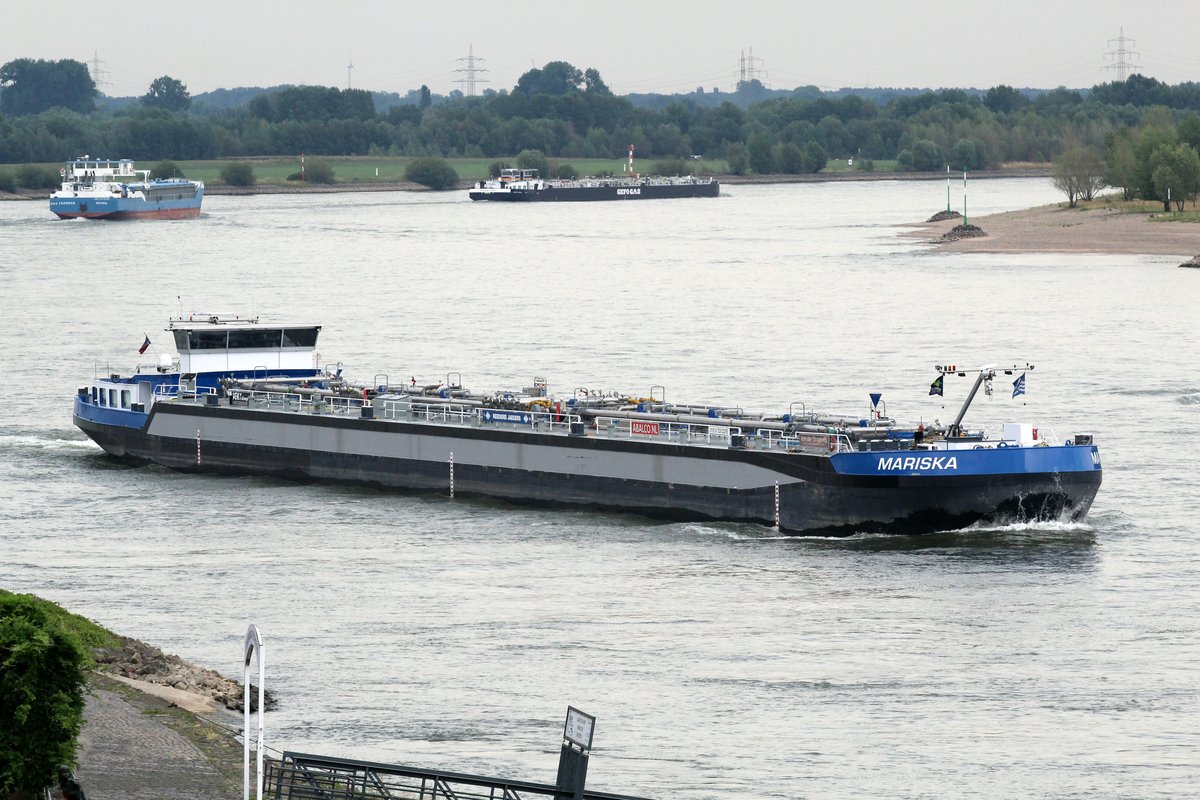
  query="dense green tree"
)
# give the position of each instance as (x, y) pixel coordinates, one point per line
(1120, 163)
(1189, 131)
(789, 159)
(426, 98)
(1148, 141)
(737, 158)
(927, 156)
(965, 155)
(313, 103)
(41, 695)
(1004, 100)
(556, 78)
(169, 93)
(1175, 173)
(436, 173)
(593, 83)
(759, 153)
(31, 87)
(566, 172)
(815, 157)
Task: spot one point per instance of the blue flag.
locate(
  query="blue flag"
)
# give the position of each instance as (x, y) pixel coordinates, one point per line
(1019, 385)
(936, 386)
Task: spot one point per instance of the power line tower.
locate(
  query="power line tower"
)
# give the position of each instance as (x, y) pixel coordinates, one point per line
(1122, 56)
(349, 68)
(748, 69)
(471, 71)
(99, 74)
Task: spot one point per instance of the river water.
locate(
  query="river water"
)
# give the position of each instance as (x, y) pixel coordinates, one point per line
(722, 661)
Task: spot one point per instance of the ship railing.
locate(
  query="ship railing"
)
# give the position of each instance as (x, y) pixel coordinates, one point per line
(814, 442)
(406, 409)
(173, 391)
(295, 402)
(677, 432)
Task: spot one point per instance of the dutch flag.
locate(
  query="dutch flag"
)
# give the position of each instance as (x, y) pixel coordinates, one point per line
(1019, 386)
(144, 346)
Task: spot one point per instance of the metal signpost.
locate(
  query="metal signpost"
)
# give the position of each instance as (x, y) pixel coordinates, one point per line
(573, 761)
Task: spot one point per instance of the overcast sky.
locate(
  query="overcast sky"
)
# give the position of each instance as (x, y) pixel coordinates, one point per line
(647, 46)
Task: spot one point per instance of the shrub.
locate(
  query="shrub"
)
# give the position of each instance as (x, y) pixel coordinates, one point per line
(436, 173)
(495, 167)
(295, 176)
(33, 177)
(8, 182)
(319, 172)
(166, 169)
(41, 693)
(238, 173)
(566, 172)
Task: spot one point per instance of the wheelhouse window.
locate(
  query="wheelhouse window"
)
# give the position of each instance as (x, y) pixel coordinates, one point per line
(256, 338)
(207, 340)
(300, 337)
(124, 398)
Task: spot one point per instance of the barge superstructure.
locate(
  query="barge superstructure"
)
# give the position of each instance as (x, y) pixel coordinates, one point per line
(248, 397)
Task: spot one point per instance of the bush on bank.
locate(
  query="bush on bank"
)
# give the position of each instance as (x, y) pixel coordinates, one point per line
(44, 651)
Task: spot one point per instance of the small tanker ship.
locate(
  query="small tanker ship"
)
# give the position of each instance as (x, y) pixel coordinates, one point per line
(114, 190)
(248, 397)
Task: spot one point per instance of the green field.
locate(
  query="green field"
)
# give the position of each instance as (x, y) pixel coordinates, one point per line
(390, 169)
(387, 169)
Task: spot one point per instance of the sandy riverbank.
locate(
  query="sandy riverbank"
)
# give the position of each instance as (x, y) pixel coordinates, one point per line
(1055, 229)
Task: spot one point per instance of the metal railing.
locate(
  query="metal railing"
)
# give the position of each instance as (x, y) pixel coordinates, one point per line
(680, 432)
(300, 776)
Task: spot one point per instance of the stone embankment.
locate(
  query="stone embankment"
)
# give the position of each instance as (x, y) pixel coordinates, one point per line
(138, 661)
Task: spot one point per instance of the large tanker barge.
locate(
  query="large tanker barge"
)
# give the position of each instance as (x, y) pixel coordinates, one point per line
(248, 397)
(524, 185)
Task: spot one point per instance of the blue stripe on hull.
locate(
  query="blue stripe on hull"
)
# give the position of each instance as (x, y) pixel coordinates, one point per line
(987, 461)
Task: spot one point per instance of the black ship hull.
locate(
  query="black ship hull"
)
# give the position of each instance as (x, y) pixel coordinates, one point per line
(799, 494)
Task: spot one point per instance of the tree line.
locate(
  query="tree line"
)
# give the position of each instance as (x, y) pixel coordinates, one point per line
(47, 114)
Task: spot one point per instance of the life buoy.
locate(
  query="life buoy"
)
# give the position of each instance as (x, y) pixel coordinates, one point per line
(833, 445)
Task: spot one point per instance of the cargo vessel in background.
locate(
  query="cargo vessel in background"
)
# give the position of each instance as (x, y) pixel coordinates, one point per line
(115, 190)
(247, 397)
(525, 185)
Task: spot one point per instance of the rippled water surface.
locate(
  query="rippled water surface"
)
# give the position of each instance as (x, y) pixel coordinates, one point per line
(721, 660)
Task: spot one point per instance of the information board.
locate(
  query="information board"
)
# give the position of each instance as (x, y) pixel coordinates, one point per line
(579, 728)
